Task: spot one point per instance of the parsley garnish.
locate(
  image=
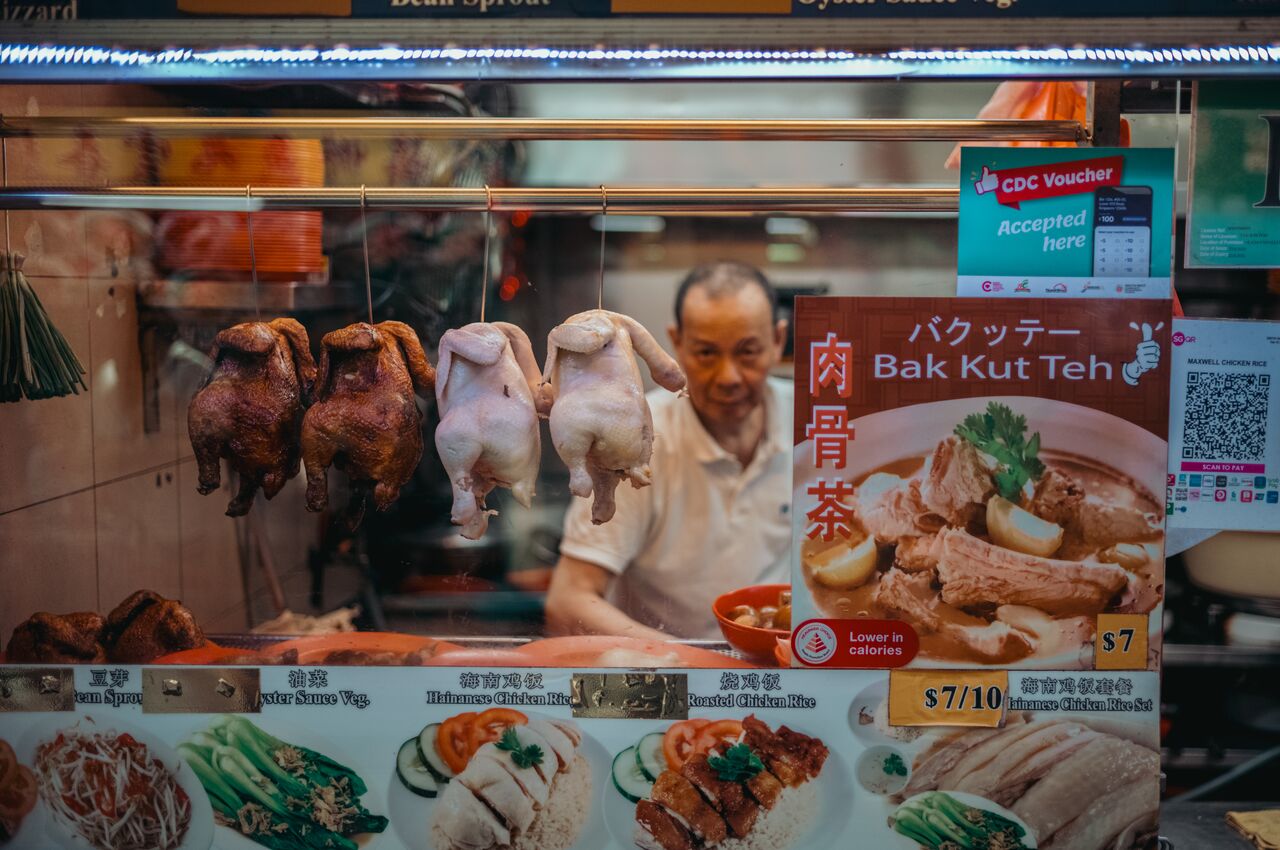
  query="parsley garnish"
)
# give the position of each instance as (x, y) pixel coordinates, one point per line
(737, 765)
(1001, 434)
(523, 757)
(894, 765)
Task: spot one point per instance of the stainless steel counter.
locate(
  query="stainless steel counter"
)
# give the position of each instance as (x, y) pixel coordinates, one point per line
(1203, 826)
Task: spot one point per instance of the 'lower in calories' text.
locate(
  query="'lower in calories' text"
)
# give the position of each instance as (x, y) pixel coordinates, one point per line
(876, 645)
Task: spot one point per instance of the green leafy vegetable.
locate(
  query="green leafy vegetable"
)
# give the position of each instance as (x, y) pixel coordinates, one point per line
(738, 764)
(281, 796)
(1003, 435)
(938, 821)
(524, 757)
(894, 765)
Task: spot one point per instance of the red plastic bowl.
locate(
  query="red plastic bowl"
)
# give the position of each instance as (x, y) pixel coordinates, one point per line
(751, 640)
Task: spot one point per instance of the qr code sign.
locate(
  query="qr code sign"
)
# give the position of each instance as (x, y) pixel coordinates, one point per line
(1226, 416)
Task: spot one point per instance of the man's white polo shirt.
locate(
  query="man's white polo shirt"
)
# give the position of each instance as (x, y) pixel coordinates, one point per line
(704, 527)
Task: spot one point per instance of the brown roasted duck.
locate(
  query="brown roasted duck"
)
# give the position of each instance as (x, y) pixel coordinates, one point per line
(250, 408)
(58, 639)
(365, 420)
(146, 626)
(140, 629)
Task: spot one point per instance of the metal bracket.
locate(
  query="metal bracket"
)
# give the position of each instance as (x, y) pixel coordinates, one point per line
(639, 695)
(201, 690)
(37, 689)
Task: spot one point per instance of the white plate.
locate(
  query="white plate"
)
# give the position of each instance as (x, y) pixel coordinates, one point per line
(835, 799)
(373, 800)
(199, 835)
(978, 803)
(410, 813)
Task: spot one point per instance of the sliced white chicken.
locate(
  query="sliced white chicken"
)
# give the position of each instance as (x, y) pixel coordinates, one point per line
(571, 731)
(549, 766)
(466, 821)
(526, 777)
(488, 436)
(600, 422)
(495, 785)
(562, 748)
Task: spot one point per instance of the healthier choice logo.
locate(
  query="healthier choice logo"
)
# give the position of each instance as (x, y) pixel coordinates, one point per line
(814, 643)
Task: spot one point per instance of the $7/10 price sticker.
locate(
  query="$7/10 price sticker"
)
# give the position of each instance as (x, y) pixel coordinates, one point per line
(947, 697)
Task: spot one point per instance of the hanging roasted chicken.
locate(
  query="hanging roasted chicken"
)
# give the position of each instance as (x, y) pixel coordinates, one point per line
(365, 420)
(600, 421)
(486, 383)
(249, 409)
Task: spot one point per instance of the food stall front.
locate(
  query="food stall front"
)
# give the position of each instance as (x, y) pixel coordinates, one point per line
(282, 532)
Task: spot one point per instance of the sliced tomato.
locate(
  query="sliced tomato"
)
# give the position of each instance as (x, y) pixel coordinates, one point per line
(18, 794)
(8, 762)
(453, 740)
(717, 735)
(490, 724)
(677, 743)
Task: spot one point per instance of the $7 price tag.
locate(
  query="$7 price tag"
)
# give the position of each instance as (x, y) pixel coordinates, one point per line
(1121, 642)
(947, 697)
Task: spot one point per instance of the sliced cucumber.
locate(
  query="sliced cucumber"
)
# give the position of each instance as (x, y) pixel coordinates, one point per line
(430, 756)
(649, 755)
(413, 773)
(628, 778)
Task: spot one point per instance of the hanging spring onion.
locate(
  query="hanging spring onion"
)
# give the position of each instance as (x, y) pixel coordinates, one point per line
(35, 359)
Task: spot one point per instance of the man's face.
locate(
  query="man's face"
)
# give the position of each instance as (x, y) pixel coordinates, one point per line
(727, 344)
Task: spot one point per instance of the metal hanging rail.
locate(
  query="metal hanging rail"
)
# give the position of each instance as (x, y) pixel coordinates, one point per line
(827, 130)
(621, 199)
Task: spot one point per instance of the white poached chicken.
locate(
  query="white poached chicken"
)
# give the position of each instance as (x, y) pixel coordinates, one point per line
(600, 422)
(486, 384)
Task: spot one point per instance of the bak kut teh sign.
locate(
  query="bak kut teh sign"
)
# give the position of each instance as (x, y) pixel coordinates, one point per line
(977, 482)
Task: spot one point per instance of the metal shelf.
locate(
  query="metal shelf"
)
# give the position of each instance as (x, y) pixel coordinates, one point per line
(826, 130)
(1209, 655)
(614, 199)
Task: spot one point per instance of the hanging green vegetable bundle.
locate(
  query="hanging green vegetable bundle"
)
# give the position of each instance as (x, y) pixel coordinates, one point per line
(35, 359)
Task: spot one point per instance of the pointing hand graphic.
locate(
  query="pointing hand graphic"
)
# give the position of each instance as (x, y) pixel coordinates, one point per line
(987, 183)
(1147, 356)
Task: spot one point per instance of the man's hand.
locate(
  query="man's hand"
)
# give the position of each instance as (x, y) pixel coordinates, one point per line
(576, 604)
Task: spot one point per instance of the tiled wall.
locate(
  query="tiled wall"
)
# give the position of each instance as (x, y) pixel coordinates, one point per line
(92, 507)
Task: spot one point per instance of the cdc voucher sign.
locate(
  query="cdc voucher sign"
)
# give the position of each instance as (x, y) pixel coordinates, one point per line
(1066, 222)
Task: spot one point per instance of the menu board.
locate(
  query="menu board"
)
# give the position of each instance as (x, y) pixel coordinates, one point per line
(1066, 222)
(978, 482)
(1224, 460)
(444, 758)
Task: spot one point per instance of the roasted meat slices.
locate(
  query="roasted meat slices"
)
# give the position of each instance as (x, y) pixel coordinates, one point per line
(777, 756)
(766, 788)
(678, 796)
(729, 798)
(747, 787)
(656, 829)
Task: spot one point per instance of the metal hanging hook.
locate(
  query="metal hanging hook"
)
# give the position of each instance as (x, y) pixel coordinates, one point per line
(4, 167)
(488, 230)
(604, 228)
(253, 256)
(364, 238)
